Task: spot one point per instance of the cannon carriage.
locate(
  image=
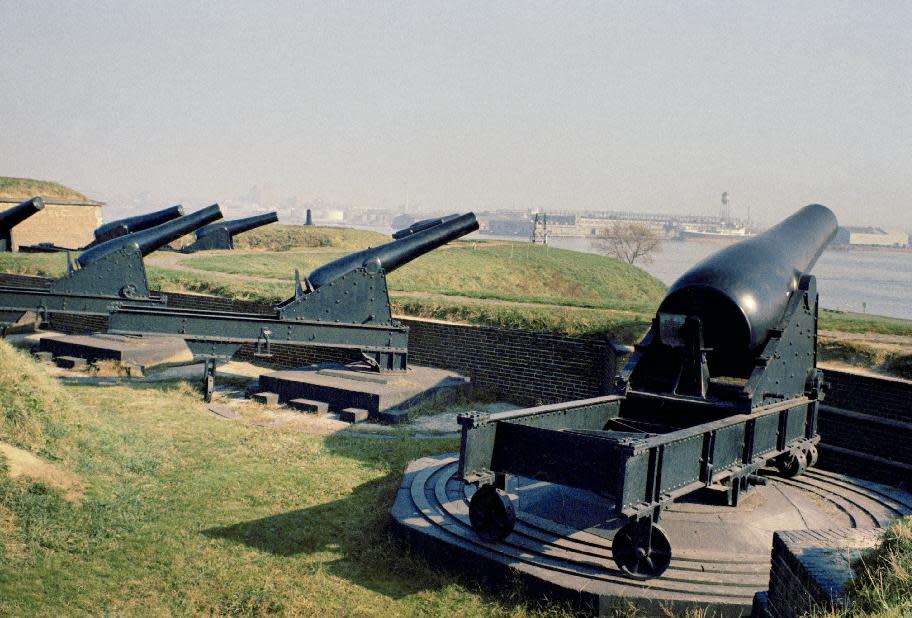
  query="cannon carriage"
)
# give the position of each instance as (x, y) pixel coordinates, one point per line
(722, 386)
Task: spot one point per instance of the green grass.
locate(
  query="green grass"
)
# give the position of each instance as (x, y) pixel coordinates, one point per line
(188, 514)
(40, 264)
(882, 586)
(27, 187)
(503, 271)
(627, 327)
(34, 407)
(849, 322)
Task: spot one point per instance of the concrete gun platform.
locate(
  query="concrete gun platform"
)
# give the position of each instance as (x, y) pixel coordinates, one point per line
(142, 351)
(381, 394)
(561, 545)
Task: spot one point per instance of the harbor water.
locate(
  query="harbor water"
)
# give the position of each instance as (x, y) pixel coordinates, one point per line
(877, 282)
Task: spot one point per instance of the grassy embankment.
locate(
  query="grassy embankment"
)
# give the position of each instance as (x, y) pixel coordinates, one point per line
(27, 187)
(143, 503)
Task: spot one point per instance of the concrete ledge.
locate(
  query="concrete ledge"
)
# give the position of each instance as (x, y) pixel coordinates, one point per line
(811, 569)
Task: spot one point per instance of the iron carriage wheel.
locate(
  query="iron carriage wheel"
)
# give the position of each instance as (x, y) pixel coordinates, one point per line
(792, 462)
(491, 514)
(641, 550)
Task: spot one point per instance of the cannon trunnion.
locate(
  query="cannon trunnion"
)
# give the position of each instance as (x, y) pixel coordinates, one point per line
(724, 384)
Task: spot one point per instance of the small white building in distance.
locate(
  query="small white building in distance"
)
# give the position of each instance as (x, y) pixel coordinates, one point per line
(872, 236)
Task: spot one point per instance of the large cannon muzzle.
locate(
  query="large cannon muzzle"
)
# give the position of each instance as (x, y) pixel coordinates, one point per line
(392, 255)
(11, 217)
(154, 238)
(138, 223)
(740, 293)
(238, 226)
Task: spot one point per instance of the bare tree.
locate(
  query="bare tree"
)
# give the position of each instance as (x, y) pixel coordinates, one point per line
(629, 241)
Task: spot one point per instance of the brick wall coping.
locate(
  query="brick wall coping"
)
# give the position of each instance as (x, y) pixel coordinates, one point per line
(51, 200)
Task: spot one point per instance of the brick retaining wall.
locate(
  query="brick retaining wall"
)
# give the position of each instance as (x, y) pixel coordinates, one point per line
(866, 427)
(520, 366)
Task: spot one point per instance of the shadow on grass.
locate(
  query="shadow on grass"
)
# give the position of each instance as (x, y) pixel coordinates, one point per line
(351, 537)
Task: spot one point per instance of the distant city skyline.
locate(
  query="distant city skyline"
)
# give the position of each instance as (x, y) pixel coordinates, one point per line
(571, 106)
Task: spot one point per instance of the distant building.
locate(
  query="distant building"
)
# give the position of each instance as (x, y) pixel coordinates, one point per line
(871, 236)
(329, 216)
(65, 223)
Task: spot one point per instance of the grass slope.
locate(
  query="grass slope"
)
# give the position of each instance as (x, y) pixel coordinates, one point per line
(278, 237)
(188, 514)
(35, 411)
(27, 187)
(525, 273)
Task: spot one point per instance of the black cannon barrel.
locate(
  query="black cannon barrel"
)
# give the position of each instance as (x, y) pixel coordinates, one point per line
(392, 255)
(138, 223)
(11, 217)
(741, 292)
(151, 239)
(239, 226)
(424, 224)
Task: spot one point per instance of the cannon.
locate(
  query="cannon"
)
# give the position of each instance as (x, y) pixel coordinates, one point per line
(723, 389)
(392, 255)
(12, 217)
(343, 304)
(221, 235)
(138, 223)
(106, 275)
(424, 224)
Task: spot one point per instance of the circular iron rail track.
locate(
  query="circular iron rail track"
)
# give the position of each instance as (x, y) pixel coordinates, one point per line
(440, 504)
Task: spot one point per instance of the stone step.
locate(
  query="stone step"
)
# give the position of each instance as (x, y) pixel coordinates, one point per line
(309, 405)
(71, 362)
(266, 398)
(44, 357)
(348, 388)
(353, 415)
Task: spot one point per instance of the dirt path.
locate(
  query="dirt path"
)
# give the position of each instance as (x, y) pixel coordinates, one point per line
(869, 338)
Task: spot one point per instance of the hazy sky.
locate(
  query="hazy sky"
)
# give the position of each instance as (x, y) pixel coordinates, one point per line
(653, 106)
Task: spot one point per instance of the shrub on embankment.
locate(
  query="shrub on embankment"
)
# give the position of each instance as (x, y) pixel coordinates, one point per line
(278, 237)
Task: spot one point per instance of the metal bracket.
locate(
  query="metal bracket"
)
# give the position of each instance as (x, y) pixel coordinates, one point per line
(263, 344)
(208, 385)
